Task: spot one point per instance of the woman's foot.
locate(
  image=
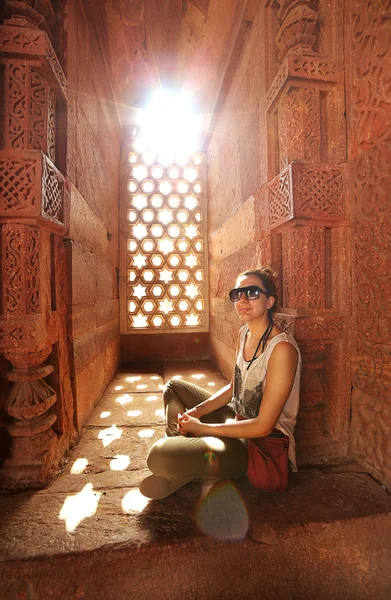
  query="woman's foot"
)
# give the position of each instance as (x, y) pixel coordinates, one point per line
(156, 487)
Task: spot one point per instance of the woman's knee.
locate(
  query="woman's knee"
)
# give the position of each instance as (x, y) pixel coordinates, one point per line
(157, 458)
(170, 387)
(154, 458)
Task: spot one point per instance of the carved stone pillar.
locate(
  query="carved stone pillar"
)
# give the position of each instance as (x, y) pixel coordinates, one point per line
(309, 216)
(33, 210)
(28, 405)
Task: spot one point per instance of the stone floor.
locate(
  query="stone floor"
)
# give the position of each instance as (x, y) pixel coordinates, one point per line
(91, 534)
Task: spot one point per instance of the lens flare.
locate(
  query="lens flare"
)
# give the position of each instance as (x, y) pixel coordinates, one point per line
(222, 514)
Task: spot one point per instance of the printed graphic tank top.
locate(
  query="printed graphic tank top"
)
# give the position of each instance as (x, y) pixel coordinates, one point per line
(249, 386)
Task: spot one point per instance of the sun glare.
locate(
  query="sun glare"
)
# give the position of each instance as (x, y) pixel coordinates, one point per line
(169, 125)
(134, 501)
(79, 507)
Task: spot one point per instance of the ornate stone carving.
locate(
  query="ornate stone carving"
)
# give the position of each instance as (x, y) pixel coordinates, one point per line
(20, 270)
(309, 328)
(372, 280)
(37, 129)
(32, 271)
(28, 403)
(31, 186)
(17, 187)
(372, 368)
(21, 40)
(368, 34)
(34, 43)
(56, 68)
(52, 192)
(17, 333)
(286, 323)
(37, 12)
(51, 127)
(33, 202)
(308, 192)
(372, 184)
(302, 67)
(299, 126)
(304, 268)
(29, 109)
(286, 268)
(371, 45)
(299, 27)
(280, 198)
(320, 328)
(16, 77)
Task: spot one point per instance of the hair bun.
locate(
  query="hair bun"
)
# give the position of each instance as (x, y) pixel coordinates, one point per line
(270, 273)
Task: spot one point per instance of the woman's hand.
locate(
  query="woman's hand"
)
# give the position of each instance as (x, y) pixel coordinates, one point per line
(192, 412)
(189, 425)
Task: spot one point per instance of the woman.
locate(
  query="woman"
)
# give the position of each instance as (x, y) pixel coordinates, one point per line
(264, 397)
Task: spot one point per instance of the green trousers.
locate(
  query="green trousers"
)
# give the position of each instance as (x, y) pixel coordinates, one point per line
(207, 458)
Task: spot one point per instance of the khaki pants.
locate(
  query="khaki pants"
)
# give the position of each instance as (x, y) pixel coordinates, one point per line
(180, 457)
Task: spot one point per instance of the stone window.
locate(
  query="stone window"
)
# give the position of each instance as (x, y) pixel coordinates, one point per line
(166, 243)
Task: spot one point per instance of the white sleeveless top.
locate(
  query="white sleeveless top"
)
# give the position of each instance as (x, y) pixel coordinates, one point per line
(249, 386)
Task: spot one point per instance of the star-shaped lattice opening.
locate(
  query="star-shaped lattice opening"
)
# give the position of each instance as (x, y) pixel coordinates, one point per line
(165, 275)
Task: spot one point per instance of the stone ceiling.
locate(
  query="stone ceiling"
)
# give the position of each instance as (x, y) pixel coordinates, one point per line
(185, 44)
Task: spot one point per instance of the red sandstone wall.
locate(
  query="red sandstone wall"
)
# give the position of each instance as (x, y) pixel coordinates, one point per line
(277, 195)
(93, 168)
(368, 74)
(237, 168)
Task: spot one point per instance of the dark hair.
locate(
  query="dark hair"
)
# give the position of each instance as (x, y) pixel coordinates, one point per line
(268, 278)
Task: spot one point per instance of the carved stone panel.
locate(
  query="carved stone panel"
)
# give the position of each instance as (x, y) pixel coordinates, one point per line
(323, 420)
(299, 27)
(32, 43)
(20, 247)
(304, 268)
(300, 120)
(308, 192)
(29, 108)
(17, 333)
(31, 186)
(303, 67)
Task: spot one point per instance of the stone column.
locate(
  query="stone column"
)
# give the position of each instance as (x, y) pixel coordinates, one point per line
(33, 210)
(308, 212)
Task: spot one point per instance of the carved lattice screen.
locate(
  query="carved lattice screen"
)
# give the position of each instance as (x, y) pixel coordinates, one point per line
(166, 245)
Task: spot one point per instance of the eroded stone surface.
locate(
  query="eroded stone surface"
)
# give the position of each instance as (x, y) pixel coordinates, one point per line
(112, 448)
(94, 519)
(128, 409)
(136, 382)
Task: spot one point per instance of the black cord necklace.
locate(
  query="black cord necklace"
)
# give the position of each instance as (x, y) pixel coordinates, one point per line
(263, 340)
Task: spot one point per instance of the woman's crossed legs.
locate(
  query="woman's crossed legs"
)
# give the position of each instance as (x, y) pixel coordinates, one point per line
(175, 460)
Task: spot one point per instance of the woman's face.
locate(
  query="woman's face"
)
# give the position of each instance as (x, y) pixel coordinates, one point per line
(249, 310)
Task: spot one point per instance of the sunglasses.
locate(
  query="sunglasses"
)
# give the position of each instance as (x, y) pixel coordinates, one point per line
(252, 292)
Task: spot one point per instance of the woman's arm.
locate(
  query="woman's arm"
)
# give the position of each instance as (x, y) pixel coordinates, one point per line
(280, 377)
(219, 399)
